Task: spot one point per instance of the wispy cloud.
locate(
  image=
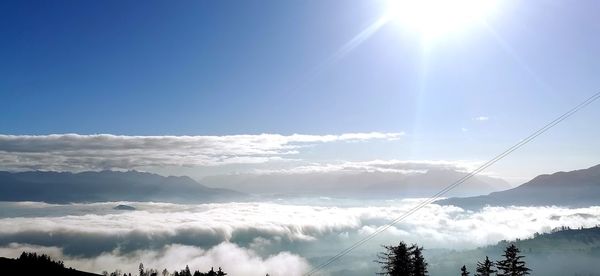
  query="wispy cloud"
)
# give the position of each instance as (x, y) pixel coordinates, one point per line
(387, 178)
(481, 118)
(388, 166)
(74, 152)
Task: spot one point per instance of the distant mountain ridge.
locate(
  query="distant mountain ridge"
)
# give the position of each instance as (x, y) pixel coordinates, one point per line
(359, 184)
(575, 189)
(66, 187)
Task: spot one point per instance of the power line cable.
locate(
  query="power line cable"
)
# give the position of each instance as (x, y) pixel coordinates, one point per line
(453, 185)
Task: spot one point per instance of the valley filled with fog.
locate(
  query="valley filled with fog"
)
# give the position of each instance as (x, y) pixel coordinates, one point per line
(300, 138)
(279, 236)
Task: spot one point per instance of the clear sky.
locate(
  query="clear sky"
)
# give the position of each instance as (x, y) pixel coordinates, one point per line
(217, 68)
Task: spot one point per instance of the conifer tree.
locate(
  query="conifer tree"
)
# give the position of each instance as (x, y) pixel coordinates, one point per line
(512, 265)
(141, 267)
(396, 260)
(485, 268)
(463, 271)
(419, 266)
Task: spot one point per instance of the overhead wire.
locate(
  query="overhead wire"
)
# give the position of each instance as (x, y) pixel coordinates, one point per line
(454, 184)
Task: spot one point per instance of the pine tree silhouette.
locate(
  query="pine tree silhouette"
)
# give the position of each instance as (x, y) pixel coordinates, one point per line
(396, 260)
(186, 271)
(485, 268)
(512, 265)
(463, 271)
(419, 266)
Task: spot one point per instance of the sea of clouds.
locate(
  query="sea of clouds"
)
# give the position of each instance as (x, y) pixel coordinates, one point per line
(280, 237)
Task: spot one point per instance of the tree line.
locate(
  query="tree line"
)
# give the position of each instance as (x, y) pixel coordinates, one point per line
(399, 260)
(153, 272)
(41, 264)
(404, 260)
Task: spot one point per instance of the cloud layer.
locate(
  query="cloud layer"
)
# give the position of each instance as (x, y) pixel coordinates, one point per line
(74, 152)
(261, 234)
(386, 166)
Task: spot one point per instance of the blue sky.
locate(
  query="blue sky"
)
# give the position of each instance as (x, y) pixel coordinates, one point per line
(249, 67)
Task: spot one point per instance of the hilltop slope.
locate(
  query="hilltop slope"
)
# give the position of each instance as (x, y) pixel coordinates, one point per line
(575, 188)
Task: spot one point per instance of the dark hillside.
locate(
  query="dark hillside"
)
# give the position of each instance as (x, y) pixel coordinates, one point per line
(33, 264)
(579, 188)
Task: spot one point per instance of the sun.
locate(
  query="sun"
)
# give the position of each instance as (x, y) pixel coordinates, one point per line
(435, 18)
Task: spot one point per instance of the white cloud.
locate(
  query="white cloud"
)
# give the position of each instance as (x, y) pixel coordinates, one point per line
(388, 166)
(74, 152)
(246, 221)
(481, 118)
(240, 236)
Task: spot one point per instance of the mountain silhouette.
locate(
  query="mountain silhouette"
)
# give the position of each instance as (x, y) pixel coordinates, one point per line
(124, 207)
(577, 188)
(66, 187)
(359, 185)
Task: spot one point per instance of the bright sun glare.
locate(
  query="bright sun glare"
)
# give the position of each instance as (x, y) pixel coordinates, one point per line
(434, 18)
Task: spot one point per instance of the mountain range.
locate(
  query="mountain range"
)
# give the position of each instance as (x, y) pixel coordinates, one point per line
(577, 188)
(358, 184)
(66, 187)
(574, 188)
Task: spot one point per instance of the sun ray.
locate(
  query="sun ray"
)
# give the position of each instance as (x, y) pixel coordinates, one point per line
(344, 50)
(359, 39)
(516, 57)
